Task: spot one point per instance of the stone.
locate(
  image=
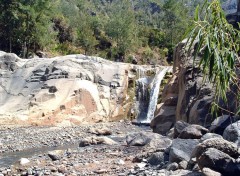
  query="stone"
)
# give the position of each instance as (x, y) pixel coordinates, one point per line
(141, 165)
(138, 139)
(218, 161)
(220, 123)
(209, 172)
(148, 139)
(183, 164)
(181, 149)
(210, 136)
(223, 145)
(94, 140)
(164, 120)
(172, 166)
(56, 154)
(232, 133)
(193, 132)
(24, 161)
(100, 131)
(178, 127)
(158, 158)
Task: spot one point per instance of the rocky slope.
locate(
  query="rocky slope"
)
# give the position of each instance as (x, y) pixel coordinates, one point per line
(66, 90)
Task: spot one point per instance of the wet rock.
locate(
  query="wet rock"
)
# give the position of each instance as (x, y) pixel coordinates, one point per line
(218, 161)
(217, 143)
(96, 140)
(232, 133)
(178, 127)
(210, 136)
(181, 149)
(56, 154)
(209, 172)
(193, 132)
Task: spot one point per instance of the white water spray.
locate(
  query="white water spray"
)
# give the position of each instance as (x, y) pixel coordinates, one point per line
(154, 94)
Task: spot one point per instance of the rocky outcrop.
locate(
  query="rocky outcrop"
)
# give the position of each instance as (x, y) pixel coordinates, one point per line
(187, 96)
(66, 90)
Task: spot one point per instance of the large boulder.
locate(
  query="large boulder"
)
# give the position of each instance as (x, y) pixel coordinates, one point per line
(150, 141)
(210, 136)
(193, 132)
(164, 120)
(232, 133)
(158, 158)
(181, 149)
(221, 123)
(220, 144)
(179, 127)
(218, 161)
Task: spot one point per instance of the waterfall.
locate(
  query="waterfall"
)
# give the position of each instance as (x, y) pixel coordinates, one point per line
(142, 98)
(147, 105)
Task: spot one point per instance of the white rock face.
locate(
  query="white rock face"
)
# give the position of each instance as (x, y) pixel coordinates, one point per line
(64, 90)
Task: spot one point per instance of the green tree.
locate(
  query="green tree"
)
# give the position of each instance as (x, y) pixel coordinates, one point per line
(218, 44)
(25, 24)
(121, 28)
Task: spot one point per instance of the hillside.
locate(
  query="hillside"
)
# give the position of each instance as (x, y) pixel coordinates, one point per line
(143, 31)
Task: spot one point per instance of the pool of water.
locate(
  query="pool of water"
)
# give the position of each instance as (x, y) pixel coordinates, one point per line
(7, 159)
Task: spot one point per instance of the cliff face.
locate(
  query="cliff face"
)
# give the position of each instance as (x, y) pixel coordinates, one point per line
(187, 96)
(64, 90)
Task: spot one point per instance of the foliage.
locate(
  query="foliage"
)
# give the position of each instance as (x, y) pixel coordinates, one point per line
(218, 43)
(114, 29)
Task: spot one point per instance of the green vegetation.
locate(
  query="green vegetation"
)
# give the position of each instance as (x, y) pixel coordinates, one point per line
(218, 44)
(119, 30)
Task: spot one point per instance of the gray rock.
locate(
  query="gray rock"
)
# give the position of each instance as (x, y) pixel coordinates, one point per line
(193, 132)
(217, 143)
(218, 161)
(172, 166)
(178, 127)
(94, 140)
(56, 154)
(181, 149)
(219, 124)
(164, 120)
(158, 158)
(100, 131)
(210, 136)
(183, 165)
(148, 140)
(137, 139)
(209, 172)
(232, 133)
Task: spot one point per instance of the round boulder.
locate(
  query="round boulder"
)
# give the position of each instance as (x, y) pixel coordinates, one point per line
(232, 133)
(193, 132)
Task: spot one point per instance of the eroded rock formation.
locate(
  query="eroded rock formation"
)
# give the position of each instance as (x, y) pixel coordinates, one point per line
(65, 90)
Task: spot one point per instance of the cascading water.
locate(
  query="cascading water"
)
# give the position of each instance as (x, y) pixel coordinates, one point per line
(154, 94)
(147, 103)
(142, 98)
